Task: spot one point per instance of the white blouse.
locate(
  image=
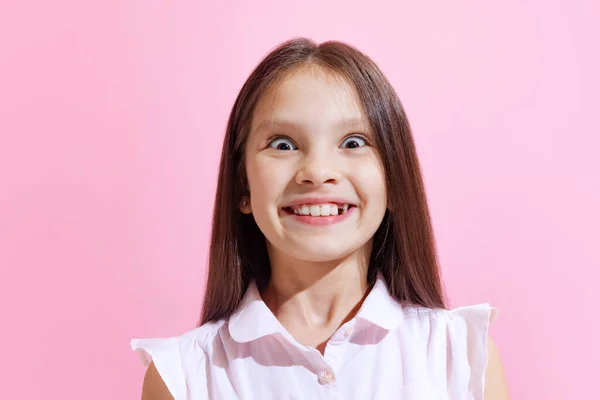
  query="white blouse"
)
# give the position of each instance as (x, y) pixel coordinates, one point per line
(387, 351)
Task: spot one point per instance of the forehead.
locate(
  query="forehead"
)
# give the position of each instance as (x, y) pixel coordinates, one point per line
(310, 97)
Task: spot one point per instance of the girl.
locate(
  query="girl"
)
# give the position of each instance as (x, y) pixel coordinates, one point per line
(323, 279)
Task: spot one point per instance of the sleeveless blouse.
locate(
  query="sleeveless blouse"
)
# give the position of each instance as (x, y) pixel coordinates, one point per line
(387, 351)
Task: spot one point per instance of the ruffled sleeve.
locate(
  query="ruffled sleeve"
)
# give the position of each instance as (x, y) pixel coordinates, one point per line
(167, 356)
(469, 332)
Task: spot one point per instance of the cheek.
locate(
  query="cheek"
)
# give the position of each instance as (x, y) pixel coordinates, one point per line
(371, 181)
(265, 180)
(257, 176)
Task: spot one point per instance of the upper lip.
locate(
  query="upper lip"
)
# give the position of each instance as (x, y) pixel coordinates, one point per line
(319, 200)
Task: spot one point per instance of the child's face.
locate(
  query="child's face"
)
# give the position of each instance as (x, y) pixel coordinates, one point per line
(317, 162)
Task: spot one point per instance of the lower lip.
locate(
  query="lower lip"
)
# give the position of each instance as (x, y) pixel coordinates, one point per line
(310, 220)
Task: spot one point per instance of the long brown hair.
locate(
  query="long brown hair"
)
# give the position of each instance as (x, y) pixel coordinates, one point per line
(403, 247)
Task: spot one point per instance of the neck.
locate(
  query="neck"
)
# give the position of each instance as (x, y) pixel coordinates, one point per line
(316, 295)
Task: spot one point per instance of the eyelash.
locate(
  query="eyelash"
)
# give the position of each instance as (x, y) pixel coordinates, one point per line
(359, 136)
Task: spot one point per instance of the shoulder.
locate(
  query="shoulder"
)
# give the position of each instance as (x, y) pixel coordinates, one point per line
(170, 359)
(183, 345)
(462, 333)
(471, 329)
(467, 319)
(204, 333)
(471, 322)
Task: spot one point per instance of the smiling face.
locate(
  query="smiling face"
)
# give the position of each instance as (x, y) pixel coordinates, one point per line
(317, 187)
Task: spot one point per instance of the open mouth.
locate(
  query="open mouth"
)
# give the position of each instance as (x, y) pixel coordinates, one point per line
(319, 210)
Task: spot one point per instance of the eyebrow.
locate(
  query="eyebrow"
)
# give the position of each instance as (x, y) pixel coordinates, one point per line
(275, 123)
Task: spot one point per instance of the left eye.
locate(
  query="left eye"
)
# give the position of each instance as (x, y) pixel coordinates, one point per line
(353, 142)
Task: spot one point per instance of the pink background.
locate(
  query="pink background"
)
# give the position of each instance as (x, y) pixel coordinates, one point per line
(111, 120)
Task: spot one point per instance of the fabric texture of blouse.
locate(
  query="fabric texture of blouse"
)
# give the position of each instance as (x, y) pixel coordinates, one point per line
(387, 351)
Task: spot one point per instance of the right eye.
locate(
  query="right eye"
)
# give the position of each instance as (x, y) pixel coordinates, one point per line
(283, 144)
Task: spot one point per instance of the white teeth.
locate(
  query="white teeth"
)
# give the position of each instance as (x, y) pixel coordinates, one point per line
(315, 211)
(320, 210)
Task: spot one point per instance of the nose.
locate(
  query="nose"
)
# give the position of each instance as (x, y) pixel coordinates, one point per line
(318, 171)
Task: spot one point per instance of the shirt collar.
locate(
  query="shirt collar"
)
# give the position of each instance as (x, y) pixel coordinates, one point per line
(254, 319)
(380, 308)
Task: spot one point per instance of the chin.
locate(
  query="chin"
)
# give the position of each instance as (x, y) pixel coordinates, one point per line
(321, 254)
